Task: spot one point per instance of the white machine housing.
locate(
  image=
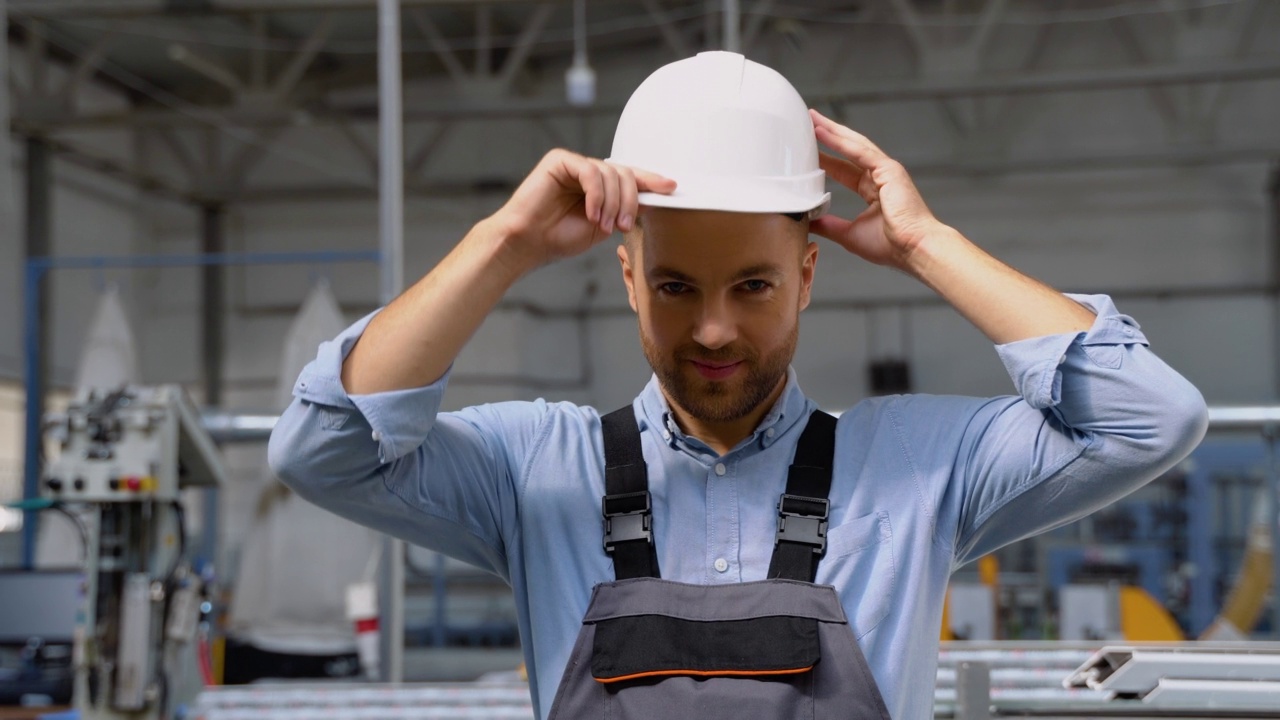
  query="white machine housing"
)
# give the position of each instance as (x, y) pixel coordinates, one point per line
(126, 456)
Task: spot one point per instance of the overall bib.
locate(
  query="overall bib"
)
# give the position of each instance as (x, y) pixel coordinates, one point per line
(775, 649)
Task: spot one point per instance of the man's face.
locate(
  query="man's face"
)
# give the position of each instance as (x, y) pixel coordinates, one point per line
(718, 296)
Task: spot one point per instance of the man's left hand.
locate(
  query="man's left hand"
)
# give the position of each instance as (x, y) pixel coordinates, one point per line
(896, 222)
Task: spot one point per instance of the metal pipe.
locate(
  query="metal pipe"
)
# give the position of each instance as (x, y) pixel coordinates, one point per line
(256, 427)
(1258, 417)
(732, 26)
(212, 339)
(579, 32)
(1273, 195)
(213, 303)
(38, 185)
(391, 218)
(225, 427)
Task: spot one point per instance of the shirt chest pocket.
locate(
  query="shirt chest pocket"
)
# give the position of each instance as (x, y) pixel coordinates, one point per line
(859, 564)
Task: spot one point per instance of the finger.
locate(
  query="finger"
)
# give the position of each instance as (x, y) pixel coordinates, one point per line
(854, 146)
(653, 182)
(831, 227)
(612, 196)
(867, 188)
(841, 170)
(629, 207)
(588, 177)
(843, 130)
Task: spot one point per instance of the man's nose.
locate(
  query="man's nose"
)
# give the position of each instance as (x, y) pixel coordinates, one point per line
(716, 326)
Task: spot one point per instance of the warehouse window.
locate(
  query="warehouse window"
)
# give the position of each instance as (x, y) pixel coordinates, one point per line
(13, 420)
(12, 410)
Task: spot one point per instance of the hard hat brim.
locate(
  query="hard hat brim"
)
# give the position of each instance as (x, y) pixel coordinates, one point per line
(771, 204)
(754, 195)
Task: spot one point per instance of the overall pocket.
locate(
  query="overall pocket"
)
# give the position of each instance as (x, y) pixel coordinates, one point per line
(652, 665)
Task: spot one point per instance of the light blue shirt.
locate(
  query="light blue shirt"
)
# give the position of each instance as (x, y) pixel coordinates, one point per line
(922, 485)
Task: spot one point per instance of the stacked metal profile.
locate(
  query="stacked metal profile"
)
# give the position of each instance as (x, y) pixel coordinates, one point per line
(1191, 680)
(1022, 676)
(1236, 678)
(355, 701)
(1187, 680)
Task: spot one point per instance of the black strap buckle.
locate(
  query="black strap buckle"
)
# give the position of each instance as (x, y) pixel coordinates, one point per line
(625, 520)
(798, 523)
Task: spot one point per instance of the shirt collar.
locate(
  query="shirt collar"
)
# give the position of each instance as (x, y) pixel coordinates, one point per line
(791, 407)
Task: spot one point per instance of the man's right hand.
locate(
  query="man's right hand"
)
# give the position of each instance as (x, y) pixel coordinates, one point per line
(571, 202)
(566, 205)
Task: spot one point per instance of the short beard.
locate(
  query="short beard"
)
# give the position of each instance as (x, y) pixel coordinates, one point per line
(719, 401)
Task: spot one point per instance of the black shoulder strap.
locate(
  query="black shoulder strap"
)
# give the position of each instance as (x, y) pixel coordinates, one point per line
(628, 515)
(801, 539)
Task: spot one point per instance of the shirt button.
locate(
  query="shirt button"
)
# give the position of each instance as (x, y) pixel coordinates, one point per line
(769, 432)
(720, 471)
(666, 435)
(377, 436)
(721, 565)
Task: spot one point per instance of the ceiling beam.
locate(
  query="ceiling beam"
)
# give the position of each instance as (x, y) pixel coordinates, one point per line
(925, 88)
(53, 9)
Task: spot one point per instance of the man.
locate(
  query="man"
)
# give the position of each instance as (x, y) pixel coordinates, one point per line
(717, 266)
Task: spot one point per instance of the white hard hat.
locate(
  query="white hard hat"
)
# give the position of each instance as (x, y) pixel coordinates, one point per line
(732, 133)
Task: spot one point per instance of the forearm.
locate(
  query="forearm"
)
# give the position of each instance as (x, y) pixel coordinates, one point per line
(412, 342)
(1003, 303)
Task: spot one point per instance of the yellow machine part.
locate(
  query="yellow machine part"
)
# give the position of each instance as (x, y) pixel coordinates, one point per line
(946, 618)
(1142, 619)
(989, 570)
(1248, 596)
(988, 574)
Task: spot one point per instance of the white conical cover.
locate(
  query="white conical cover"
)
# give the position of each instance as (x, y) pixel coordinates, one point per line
(297, 560)
(108, 360)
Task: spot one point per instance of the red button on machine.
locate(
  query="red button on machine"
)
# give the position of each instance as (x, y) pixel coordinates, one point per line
(134, 483)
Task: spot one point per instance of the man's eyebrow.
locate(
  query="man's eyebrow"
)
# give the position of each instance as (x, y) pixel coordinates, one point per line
(662, 271)
(768, 270)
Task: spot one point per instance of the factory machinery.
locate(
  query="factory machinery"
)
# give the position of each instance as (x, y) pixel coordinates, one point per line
(1188, 556)
(126, 456)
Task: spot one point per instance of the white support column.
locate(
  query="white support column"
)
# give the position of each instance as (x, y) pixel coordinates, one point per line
(391, 222)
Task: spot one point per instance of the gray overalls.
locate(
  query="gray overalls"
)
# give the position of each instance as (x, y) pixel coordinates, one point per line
(774, 649)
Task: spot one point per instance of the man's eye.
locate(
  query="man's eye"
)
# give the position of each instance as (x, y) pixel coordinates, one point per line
(673, 288)
(755, 286)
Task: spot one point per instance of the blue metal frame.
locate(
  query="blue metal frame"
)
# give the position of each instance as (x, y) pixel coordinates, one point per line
(37, 268)
(1214, 457)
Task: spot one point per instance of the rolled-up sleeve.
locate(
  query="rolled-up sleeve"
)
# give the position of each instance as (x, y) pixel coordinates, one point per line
(1099, 415)
(393, 462)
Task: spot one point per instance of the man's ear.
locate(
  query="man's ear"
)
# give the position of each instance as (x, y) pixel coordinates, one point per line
(807, 269)
(628, 274)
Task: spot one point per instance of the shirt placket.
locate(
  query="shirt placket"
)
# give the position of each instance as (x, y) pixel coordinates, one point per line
(723, 539)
